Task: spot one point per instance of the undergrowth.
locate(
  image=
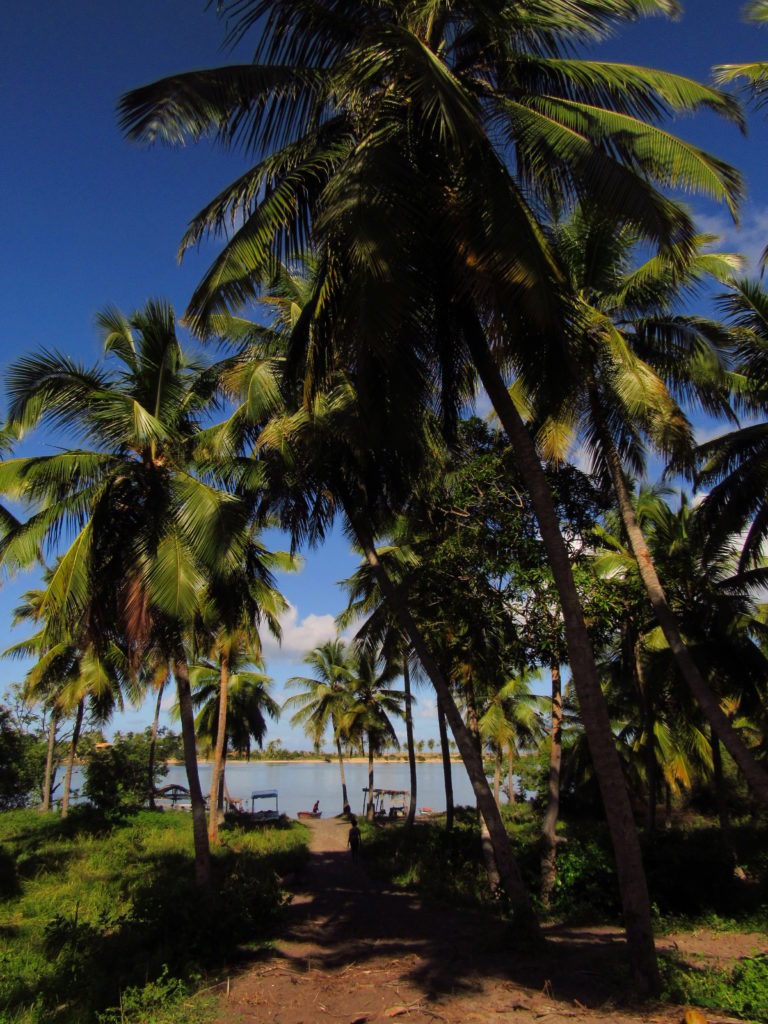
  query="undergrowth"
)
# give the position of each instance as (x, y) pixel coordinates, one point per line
(742, 990)
(99, 919)
(690, 872)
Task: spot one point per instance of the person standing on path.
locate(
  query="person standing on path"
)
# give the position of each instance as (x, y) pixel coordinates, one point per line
(353, 842)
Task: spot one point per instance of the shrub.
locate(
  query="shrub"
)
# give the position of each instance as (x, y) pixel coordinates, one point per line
(19, 763)
(742, 990)
(116, 777)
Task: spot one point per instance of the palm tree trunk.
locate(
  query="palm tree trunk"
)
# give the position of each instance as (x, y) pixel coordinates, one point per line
(409, 741)
(497, 777)
(153, 742)
(511, 879)
(722, 802)
(223, 791)
(549, 825)
(491, 868)
(447, 771)
(756, 777)
(650, 744)
(594, 713)
(344, 797)
(510, 773)
(369, 810)
(199, 830)
(221, 733)
(71, 759)
(667, 805)
(48, 780)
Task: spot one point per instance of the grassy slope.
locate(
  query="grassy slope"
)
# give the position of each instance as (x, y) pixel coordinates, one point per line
(89, 908)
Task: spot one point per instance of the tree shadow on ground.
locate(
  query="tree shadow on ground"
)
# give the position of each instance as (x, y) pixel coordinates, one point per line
(341, 917)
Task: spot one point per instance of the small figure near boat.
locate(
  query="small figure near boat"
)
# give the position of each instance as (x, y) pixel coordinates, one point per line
(314, 813)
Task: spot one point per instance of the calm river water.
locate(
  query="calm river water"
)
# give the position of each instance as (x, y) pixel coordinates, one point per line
(300, 783)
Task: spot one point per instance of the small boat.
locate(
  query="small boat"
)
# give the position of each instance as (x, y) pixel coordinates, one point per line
(264, 794)
(310, 814)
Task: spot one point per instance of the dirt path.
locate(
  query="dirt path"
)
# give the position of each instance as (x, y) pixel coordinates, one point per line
(354, 951)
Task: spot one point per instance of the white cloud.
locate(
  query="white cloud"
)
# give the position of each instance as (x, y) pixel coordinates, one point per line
(426, 708)
(299, 635)
(748, 238)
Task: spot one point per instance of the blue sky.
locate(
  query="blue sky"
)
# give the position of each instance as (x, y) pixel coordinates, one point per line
(87, 219)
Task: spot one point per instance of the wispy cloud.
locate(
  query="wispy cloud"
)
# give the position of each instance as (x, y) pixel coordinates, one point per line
(300, 635)
(748, 238)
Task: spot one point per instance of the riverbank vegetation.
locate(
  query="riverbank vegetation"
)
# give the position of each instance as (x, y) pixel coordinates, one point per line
(101, 919)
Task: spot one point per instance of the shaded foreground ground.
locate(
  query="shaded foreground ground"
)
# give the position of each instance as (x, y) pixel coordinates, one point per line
(354, 951)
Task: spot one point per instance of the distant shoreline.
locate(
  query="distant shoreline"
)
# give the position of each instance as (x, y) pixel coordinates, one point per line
(420, 759)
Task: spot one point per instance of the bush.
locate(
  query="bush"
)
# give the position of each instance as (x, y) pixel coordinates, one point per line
(742, 990)
(106, 918)
(19, 767)
(116, 777)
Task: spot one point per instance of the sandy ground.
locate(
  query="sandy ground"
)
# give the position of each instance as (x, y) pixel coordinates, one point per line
(354, 951)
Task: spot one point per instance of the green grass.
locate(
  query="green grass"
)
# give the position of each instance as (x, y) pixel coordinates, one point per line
(743, 990)
(93, 916)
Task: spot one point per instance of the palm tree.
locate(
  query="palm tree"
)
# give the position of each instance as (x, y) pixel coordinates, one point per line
(248, 702)
(328, 455)
(326, 698)
(373, 705)
(511, 719)
(237, 599)
(376, 132)
(147, 529)
(734, 464)
(381, 629)
(631, 351)
(72, 671)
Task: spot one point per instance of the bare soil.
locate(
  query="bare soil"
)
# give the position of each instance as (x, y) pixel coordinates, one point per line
(355, 951)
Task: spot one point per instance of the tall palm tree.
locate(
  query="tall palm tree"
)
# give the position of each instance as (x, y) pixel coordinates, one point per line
(249, 703)
(381, 630)
(734, 464)
(631, 352)
(376, 132)
(238, 598)
(144, 528)
(374, 703)
(326, 455)
(325, 698)
(71, 673)
(511, 719)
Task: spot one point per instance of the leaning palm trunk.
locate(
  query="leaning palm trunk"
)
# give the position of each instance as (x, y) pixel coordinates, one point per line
(218, 756)
(756, 777)
(344, 797)
(409, 741)
(486, 844)
(594, 713)
(548, 828)
(720, 796)
(48, 780)
(71, 759)
(650, 743)
(447, 772)
(511, 880)
(153, 743)
(497, 777)
(369, 809)
(199, 830)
